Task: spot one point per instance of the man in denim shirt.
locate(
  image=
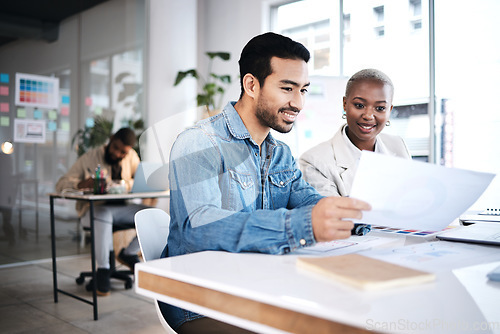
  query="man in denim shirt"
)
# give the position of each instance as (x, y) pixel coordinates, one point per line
(235, 188)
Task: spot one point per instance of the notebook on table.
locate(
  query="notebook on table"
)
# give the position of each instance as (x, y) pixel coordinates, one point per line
(149, 177)
(481, 233)
(364, 272)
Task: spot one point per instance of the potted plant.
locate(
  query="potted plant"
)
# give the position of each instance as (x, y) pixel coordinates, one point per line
(90, 137)
(212, 86)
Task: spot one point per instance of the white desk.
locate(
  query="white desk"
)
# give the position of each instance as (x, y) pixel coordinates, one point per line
(91, 198)
(269, 294)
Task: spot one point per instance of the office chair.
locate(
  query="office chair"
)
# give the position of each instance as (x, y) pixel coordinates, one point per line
(124, 275)
(152, 227)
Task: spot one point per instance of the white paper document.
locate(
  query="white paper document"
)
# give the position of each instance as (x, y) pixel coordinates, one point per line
(412, 194)
(431, 256)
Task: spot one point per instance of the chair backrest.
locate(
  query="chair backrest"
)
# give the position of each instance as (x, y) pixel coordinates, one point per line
(152, 226)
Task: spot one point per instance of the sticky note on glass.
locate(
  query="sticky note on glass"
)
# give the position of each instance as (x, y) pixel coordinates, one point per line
(37, 114)
(4, 78)
(98, 111)
(4, 90)
(89, 122)
(21, 113)
(4, 107)
(65, 99)
(64, 111)
(4, 121)
(65, 126)
(52, 126)
(52, 114)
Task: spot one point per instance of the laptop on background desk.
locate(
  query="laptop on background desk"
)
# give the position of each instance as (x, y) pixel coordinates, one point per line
(486, 216)
(480, 233)
(150, 177)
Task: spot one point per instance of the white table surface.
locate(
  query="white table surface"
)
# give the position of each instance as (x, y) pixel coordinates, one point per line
(460, 300)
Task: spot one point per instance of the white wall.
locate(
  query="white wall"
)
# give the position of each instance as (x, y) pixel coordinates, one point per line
(227, 25)
(171, 47)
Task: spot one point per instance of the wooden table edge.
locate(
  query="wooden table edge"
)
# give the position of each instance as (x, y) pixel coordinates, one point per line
(244, 308)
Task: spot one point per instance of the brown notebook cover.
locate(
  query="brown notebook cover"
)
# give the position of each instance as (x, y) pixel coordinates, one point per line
(364, 272)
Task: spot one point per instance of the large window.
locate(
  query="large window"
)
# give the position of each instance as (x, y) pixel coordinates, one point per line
(378, 14)
(415, 14)
(467, 72)
(312, 24)
(458, 127)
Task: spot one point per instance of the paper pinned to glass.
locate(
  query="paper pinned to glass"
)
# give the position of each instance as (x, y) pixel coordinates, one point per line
(412, 194)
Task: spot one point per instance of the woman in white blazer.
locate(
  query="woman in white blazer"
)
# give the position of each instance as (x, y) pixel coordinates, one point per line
(330, 166)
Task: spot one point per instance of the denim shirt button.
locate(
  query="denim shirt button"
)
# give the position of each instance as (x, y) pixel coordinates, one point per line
(303, 242)
(256, 154)
(281, 183)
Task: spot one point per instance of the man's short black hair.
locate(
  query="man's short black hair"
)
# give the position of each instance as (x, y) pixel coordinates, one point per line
(256, 55)
(126, 136)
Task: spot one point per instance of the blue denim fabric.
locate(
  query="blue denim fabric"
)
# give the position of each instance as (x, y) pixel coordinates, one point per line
(228, 194)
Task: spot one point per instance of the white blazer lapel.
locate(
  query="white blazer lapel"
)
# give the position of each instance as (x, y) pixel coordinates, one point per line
(346, 163)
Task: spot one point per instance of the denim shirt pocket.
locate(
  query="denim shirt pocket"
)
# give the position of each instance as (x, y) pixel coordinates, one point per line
(280, 187)
(242, 191)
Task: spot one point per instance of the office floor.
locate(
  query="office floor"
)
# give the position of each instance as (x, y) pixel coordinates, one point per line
(26, 293)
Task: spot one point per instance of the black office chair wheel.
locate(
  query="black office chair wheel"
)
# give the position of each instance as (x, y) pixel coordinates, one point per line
(80, 280)
(123, 275)
(90, 286)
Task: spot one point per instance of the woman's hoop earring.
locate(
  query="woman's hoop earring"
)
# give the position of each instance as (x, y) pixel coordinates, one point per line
(388, 123)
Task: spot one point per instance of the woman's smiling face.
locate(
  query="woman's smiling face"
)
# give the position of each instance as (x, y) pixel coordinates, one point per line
(367, 107)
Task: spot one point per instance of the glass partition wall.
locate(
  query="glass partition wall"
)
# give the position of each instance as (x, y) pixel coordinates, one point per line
(100, 71)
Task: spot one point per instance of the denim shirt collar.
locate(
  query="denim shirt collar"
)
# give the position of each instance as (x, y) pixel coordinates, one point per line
(236, 126)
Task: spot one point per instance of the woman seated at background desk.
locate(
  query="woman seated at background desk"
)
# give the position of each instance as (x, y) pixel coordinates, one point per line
(330, 166)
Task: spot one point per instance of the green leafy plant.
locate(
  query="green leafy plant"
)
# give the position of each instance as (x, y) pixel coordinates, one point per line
(212, 86)
(90, 137)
